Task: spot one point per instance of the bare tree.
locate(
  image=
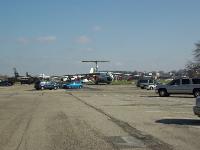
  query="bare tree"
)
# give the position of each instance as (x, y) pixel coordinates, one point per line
(193, 68)
(196, 52)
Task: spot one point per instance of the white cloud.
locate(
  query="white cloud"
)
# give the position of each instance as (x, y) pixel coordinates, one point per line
(46, 39)
(42, 39)
(83, 39)
(23, 40)
(96, 28)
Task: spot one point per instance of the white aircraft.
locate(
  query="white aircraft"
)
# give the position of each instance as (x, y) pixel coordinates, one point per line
(43, 76)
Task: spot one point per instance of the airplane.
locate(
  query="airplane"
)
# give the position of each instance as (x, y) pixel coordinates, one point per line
(96, 75)
(43, 76)
(96, 62)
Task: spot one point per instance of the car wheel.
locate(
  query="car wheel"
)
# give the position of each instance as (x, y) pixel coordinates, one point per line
(163, 93)
(55, 88)
(42, 88)
(151, 88)
(196, 93)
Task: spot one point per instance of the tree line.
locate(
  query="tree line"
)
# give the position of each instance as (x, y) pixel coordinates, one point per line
(193, 67)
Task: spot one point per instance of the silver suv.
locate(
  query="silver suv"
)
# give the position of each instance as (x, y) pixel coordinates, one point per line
(196, 108)
(180, 86)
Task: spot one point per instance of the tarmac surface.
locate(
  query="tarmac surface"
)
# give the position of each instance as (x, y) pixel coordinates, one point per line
(97, 117)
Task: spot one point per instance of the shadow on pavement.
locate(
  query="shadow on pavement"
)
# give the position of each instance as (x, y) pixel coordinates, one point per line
(148, 96)
(171, 96)
(96, 84)
(193, 122)
(31, 90)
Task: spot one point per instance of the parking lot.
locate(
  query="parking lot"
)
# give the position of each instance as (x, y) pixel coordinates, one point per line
(96, 117)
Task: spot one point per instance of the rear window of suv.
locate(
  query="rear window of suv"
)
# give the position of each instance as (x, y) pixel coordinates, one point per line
(196, 81)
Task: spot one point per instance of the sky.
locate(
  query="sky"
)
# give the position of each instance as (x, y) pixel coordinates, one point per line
(54, 36)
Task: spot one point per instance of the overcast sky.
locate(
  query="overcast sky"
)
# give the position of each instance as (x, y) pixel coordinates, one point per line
(53, 36)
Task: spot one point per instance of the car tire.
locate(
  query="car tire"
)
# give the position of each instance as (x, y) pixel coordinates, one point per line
(163, 93)
(151, 88)
(42, 88)
(196, 92)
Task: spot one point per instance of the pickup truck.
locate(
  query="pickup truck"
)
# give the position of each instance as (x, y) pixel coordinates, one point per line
(180, 86)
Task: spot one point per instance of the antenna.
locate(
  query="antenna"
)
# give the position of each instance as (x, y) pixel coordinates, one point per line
(96, 63)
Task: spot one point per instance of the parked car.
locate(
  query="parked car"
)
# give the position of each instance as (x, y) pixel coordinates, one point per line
(151, 86)
(41, 85)
(143, 83)
(196, 108)
(6, 83)
(72, 85)
(102, 77)
(180, 86)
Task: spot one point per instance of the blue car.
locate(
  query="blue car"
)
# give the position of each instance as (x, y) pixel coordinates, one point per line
(72, 85)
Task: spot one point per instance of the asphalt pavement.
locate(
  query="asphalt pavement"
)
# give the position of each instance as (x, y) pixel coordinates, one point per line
(98, 117)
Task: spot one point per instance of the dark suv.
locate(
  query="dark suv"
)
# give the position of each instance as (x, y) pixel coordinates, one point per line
(41, 85)
(6, 83)
(103, 78)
